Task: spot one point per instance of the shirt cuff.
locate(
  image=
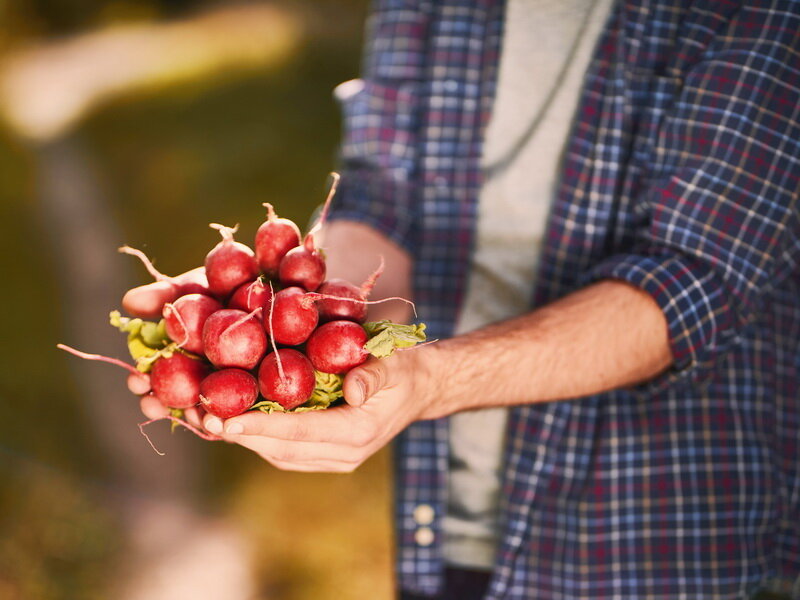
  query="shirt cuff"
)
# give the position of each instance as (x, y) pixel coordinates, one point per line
(699, 317)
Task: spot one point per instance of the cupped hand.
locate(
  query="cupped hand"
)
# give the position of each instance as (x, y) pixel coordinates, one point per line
(382, 398)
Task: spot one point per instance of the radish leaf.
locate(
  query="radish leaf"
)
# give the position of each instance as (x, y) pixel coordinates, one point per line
(385, 337)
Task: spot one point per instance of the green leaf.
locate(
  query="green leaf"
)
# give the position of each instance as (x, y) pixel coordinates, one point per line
(385, 337)
(268, 406)
(327, 391)
(178, 414)
(146, 339)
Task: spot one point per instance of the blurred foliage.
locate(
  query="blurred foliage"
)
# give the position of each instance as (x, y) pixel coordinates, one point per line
(171, 161)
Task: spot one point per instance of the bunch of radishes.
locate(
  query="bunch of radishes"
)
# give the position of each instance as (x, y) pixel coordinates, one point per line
(262, 322)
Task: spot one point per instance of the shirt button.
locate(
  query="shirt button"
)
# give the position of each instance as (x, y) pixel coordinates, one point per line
(424, 536)
(423, 514)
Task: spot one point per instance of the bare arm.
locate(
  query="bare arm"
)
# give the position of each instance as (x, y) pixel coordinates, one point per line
(605, 336)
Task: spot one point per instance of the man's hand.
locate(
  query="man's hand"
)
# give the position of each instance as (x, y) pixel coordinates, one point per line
(383, 397)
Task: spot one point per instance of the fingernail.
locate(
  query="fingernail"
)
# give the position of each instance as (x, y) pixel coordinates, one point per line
(234, 428)
(214, 425)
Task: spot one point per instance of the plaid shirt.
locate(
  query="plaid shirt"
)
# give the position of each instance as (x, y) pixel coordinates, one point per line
(681, 177)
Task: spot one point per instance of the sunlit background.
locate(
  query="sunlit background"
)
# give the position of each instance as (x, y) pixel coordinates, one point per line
(139, 122)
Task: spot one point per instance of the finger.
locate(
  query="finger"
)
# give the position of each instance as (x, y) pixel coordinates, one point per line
(194, 415)
(339, 425)
(152, 407)
(139, 384)
(318, 467)
(191, 281)
(306, 454)
(363, 382)
(147, 301)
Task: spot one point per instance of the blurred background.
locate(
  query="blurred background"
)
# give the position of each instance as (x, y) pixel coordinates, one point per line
(139, 122)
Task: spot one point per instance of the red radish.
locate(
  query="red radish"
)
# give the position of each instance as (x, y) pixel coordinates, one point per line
(250, 296)
(229, 264)
(234, 338)
(274, 238)
(293, 317)
(352, 306)
(303, 266)
(337, 347)
(228, 392)
(176, 380)
(286, 377)
(147, 301)
(184, 320)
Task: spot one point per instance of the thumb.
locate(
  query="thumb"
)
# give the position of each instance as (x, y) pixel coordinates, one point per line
(363, 382)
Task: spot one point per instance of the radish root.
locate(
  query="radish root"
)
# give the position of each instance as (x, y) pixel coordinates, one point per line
(148, 264)
(313, 296)
(281, 372)
(100, 357)
(169, 307)
(323, 216)
(198, 432)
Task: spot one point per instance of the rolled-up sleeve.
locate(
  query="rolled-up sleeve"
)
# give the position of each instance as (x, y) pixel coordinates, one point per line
(380, 121)
(721, 225)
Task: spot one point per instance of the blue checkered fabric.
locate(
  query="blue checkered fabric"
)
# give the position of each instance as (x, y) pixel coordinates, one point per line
(681, 177)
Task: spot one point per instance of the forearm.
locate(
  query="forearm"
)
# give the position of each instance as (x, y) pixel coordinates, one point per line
(605, 336)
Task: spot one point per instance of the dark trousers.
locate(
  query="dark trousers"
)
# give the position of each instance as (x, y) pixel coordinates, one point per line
(459, 584)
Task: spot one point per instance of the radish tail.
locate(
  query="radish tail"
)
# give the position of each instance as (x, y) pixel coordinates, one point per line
(369, 282)
(318, 296)
(169, 307)
(199, 433)
(100, 357)
(148, 264)
(323, 216)
(239, 321)
(281, 372)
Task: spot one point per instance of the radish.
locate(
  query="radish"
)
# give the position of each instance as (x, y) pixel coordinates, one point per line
(229, 264)
(147, 301)
(354, 308)
(337, 347)
(274, 238)
(303, 266)
(234, 338)
(286, 377)
(250, 296)
(176, 380)
(351, 306)
(293, 317)
(228, 392)
(184, 320)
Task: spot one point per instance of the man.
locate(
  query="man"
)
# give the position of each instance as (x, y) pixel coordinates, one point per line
(650, 446)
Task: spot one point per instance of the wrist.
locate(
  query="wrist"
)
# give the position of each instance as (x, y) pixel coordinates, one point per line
(429, 370)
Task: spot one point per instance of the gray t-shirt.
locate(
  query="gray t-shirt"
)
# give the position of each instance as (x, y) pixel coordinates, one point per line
(546, 49)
